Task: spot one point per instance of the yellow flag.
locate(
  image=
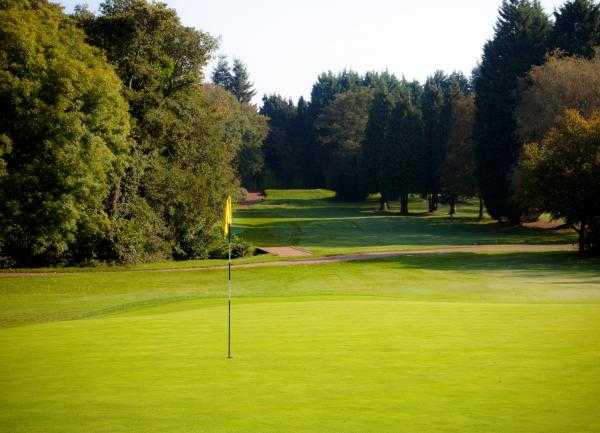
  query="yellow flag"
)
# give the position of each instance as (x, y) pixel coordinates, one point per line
(227, 216)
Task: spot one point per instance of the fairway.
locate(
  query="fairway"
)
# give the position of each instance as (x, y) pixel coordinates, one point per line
(313, 220)
(461, 342)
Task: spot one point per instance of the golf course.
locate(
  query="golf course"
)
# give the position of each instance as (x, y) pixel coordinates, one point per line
(419, 323)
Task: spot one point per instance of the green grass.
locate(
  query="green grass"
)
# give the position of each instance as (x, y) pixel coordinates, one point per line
(315, 221)
(424, 343)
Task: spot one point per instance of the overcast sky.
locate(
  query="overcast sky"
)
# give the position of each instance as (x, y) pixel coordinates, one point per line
(286, 44)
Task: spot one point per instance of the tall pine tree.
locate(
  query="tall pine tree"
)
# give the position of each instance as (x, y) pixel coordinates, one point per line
(436, 128)
(241, 86)
(520, 41)
(221, 75)
(402, 163)
(371, 158)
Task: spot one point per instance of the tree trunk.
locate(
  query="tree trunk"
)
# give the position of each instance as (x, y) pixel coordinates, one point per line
(404, 204)
(480, 207)
(582, 228)
(383, 204)
(452, 202)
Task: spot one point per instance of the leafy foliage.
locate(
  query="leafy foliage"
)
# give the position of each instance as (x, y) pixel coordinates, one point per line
(561, 175)
(244, 129)
(560, 83)
(64, 134)
(182, 161)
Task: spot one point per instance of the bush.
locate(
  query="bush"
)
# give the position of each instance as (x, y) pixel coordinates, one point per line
(138, 234)
(239, 248)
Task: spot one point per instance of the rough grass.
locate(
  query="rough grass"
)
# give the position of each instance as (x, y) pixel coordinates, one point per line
(425, 343)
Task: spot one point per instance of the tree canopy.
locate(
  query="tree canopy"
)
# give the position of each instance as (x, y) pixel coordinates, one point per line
(576, 29)
(64, 131)
(520, 41)
(561, 175)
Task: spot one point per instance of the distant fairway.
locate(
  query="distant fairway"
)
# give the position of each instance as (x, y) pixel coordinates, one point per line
(312, 220)
(457, 342)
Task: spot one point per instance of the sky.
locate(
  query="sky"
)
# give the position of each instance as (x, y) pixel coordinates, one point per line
(286, 44)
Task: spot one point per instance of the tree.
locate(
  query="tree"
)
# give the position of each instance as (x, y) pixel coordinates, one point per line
(241, 86)
(436, 116)
(577, 28)
(302, 137)
(190, 175)
(221, 76)
(402, 161)
(323, 93)
(561, 175)
(282, 160)
(520, 42)
(244, 131)
(181, 165)
(64, 131)
(560, 83)
(154, 54)
(372, 151)
(341, 129)
(458, 170)
(437, 100)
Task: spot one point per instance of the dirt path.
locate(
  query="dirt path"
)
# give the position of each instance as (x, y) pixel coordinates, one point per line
(341, 258)
(251, 198)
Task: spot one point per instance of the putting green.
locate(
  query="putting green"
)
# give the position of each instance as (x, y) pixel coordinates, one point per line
(310, 364)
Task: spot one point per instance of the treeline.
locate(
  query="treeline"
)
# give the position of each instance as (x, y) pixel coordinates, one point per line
(111, 146)
(454, 136)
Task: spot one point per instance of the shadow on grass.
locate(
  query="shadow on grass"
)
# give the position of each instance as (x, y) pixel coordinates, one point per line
(363, 230)
(566, 264)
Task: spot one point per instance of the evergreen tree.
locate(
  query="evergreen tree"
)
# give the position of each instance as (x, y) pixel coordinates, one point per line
(436, 118)
(577, 28)
(241, 86)
(221, 75)
(520, 41)
(282, 164)
(302, 142)
(372, 152)
(341, 129)
(458, 171)
(402, 162)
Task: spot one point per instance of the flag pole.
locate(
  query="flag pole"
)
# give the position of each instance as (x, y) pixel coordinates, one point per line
(229, 295)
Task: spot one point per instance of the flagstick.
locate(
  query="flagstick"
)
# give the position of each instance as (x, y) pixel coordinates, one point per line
(229, 298)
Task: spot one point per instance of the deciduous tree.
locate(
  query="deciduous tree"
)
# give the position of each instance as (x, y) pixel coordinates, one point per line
(558, 84)
(561, 175)
(64, 134)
